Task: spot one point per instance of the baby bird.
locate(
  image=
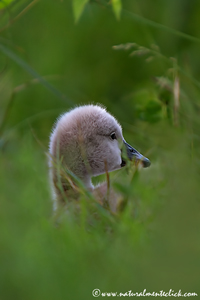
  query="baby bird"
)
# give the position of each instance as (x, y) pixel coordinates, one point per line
(87, 141)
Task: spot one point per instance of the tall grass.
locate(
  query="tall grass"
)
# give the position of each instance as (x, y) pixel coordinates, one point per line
(154, 243)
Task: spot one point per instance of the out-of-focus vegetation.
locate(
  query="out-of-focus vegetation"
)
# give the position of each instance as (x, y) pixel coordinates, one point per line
(144, 66)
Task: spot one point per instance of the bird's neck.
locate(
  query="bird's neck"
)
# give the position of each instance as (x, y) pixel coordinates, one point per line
(88, 182)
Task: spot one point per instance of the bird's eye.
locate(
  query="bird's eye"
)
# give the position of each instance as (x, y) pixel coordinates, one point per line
(113, 136)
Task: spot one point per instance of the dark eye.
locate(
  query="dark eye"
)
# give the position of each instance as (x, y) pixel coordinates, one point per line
(113, 136)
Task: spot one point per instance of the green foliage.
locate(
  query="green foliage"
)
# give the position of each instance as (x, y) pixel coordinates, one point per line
(5, 3)
(117, 6)
(78, 7)
(150, 81)
(9, 53)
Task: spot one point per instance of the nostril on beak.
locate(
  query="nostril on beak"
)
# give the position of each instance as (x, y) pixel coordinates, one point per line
(133, 154)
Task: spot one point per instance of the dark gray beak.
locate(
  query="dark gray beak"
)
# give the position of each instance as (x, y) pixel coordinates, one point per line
(133, 154)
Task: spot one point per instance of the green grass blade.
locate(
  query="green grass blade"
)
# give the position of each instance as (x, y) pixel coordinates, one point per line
(78, 7)
(9, 53)
(117, 6)
(156, 25)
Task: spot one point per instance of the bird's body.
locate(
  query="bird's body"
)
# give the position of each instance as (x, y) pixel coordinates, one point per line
(87, 141)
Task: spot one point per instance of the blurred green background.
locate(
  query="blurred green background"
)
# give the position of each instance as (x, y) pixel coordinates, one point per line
(145, 68)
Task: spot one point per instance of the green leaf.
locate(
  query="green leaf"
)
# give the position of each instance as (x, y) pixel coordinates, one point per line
(78, 7)
(117, 6)
(151, 112)
(4, 3)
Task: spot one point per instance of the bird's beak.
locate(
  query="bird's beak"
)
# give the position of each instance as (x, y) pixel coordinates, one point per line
(133, 154)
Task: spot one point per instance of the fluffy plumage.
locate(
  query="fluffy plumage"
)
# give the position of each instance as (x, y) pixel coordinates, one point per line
(88, 141)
